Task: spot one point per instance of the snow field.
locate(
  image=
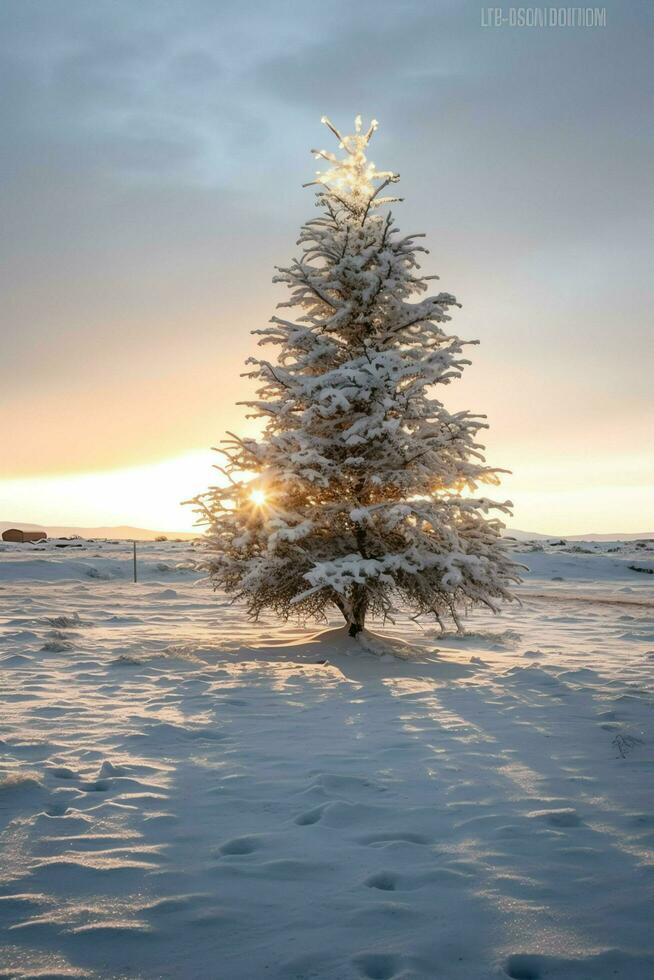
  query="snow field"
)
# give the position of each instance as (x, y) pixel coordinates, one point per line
(186, 795)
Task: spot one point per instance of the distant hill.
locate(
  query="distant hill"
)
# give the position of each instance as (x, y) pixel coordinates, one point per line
(123, 531)
(512, 532)
(611, 537)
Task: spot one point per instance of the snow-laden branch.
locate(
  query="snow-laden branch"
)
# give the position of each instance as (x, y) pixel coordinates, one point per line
(367, 487)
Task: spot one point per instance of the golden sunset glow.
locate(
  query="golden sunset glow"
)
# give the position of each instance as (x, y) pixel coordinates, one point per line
(124, 350)
(148, 496)
(552, 496)
(258, 497)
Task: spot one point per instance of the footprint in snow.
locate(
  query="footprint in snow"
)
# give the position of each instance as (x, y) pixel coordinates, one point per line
(310, 817)
(523, 967)
(98, 786)
(385, 881)
(56, 810)
(377, 966)
(63, 772)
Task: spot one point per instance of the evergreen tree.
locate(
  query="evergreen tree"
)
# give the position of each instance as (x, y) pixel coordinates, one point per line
(360, 492)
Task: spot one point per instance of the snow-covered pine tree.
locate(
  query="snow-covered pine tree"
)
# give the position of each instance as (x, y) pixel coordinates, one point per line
(359, 494)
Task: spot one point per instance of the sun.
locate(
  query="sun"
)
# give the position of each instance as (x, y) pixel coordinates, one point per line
(258, 498)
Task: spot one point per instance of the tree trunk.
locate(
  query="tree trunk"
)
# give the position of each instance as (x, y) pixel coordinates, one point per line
(354, 613)
(357, 619)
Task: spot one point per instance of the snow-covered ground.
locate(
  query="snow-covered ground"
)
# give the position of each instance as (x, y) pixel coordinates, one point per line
(186, 795)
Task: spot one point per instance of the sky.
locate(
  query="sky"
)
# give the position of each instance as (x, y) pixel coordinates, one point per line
(150, 180)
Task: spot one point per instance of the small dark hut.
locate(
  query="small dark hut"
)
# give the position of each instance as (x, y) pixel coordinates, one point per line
(15, 534)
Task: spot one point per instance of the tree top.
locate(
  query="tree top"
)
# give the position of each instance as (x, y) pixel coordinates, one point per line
(352, 179)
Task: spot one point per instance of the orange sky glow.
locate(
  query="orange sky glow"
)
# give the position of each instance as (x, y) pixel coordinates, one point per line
(148, 196)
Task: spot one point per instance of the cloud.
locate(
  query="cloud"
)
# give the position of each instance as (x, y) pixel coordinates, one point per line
(150, 179)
